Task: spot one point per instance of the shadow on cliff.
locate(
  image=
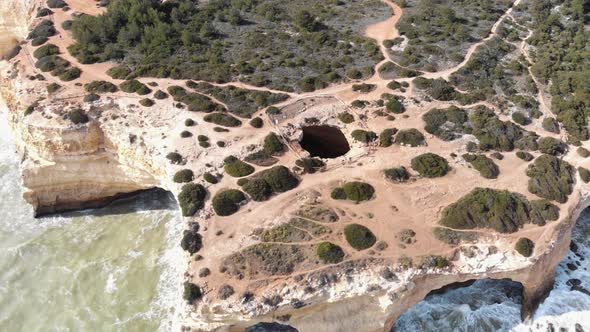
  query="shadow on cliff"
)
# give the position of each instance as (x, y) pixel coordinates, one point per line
(147, 200)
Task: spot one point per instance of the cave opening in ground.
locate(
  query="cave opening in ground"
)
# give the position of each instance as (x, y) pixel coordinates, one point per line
(324, 141)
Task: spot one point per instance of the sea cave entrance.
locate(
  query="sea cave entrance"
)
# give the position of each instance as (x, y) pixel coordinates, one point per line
(324, 141)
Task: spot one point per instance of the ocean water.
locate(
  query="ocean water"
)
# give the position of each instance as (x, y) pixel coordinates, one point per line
(110, 269)
(494, 305)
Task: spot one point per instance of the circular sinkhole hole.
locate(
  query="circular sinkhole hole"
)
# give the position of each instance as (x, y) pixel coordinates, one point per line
(324, 141)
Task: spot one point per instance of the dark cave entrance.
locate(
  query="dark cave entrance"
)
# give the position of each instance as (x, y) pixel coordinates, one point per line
(324, 141)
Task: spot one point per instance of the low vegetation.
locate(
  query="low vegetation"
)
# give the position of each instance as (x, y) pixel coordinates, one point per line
(237, 168)
(364, 136)
(359, 237)
(446, 124)
(430, 165)
(551, 178)
(192, 292)
(183, 176)
(276, 179)
(223, 119)
(410, 137)
(191, 198)
(227, 202)
(397, 174)
(525, 247)
(99, 87)
(78, 116)
(386, 137)
(354, 191)
(500, 210)
(329, 253)
(310, 165)
(552, 146)
(484, 165)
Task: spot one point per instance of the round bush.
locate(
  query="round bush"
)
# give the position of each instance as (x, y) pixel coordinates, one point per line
(397, 174)
(222, 119)
(430, 165)
(183, 176)
(359, 237)
(258, 189)
(329, 253)
(256, 122)
(78, 116)
(338, 193)
(364, 136)
(160, 95)
(237, 168)
(280, 179)
(91, 98)
(174, 157)
(210, 178)
(189, 122)
(185, 134)
(192, 292)
(358, 191)
(346, 117)
(191, 198)
(272, 144)
(227, 202)
(146, 102)
(525, 246)
(410, 137)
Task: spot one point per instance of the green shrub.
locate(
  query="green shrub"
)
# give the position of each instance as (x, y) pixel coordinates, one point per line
(39, 41)
(272, 144)
(446, 124)
(364, 136)
(363, 87)
(453, 237)
(583, 152)
(223, 119)
(309, 165)
(525, 247)
(393, 105)
(160, 95)
(584, 174)
(237, 168)
(551, 178)
(183, 176)
(552, 146)
(359, 237)
(397, 174)
(329, 253)
(410, 137)
(189, 122)
(273, 111)
(192, 292)
(119, 72)
(56, 3)
(46, 50)
(258, 189)
(346, 117)
(551, 125)
(484, 165)
(202, 138)
(174, 157)
(257, 122)
(42, 31)
(89, 98)
(67, 25)
(500, 210)
(430, 165)
(279, 178)
(220, 144)
(100, 87)
(186, 134)
(525, 156)
(227, 202)
(433, 261)
(191, 198)
(354, 74)
(146, 102)
(386, 137)
(543, 211)
(204, 144)
(497, 155)
(210, 178)
(338, 193)
(70, 74)
(51, 62)
(520, 118)
(358, 191)
(134, 86)
(78, 116)
(53, 87)
(359, 104)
